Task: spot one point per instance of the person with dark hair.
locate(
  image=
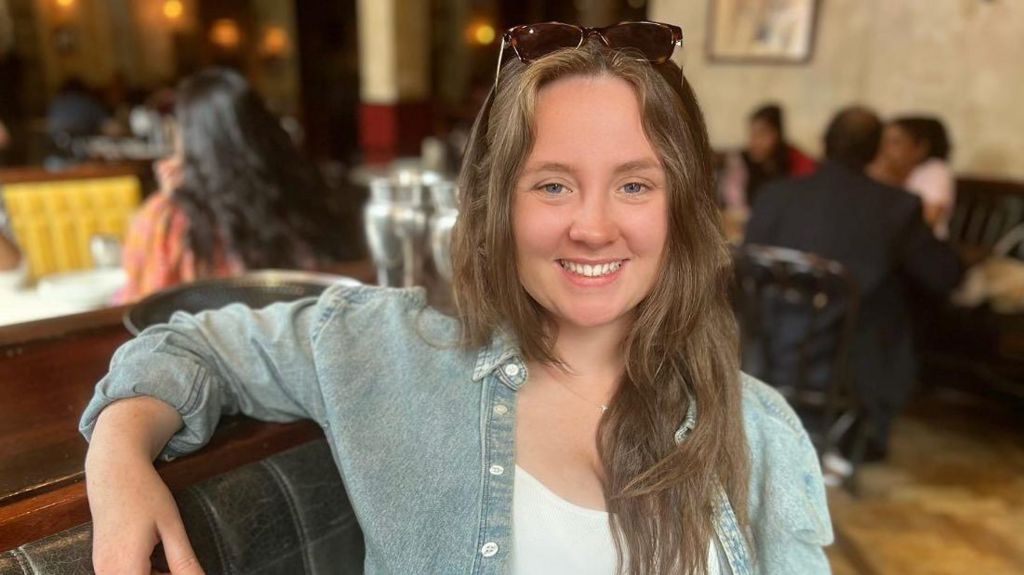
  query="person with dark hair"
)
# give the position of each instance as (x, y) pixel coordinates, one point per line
(583, 413)
(915, 155)
(236, 195)
(769, 156)
(877, 233)
(75, 111)
(852, 138)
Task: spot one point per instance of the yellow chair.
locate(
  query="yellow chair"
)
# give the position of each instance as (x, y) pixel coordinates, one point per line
(53, 221)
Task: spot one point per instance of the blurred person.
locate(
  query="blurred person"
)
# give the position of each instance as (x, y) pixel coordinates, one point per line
(591, 372)
(767, 157)
(75, 111)
(235, 195)
(877, 232)
(12, 117)
(10, 255)
(914, 155)
(119, 99)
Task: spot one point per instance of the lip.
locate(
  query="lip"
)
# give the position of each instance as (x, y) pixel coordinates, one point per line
(583, 281)
(592, 262)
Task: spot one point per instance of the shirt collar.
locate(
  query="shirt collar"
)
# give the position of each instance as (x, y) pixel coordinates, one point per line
(502, 352)
(502, 357)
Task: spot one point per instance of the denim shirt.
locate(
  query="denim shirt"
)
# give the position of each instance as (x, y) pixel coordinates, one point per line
(423, 431)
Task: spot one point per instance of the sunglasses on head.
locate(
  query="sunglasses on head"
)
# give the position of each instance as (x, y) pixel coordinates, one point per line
(653, 41)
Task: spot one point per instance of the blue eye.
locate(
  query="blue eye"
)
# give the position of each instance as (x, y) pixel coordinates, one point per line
(553, 189)
(633, 188)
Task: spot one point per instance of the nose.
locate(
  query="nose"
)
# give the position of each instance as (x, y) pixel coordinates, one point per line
(594, 221)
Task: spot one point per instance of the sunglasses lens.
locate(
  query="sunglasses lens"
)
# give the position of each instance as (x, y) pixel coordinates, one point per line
(655, 42)
(532, 42)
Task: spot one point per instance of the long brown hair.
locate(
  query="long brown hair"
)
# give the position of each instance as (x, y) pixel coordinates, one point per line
(683, 341)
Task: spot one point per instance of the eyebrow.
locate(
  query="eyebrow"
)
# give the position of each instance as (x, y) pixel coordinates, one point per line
(637, 166)
(631, 166)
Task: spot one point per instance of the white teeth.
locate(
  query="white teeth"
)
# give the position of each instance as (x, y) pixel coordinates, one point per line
(590, 271)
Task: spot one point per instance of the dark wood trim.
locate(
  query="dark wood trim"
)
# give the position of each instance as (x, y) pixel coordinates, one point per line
(29, 174)
(47, 372)
(26, 333)
(966, 183)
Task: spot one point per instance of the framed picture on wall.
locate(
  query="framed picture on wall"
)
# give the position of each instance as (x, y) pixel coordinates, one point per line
(761, 31)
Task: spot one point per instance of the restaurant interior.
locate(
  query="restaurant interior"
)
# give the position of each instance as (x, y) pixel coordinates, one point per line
(98, 98)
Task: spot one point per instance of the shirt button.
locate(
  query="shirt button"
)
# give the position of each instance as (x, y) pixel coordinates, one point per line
(511, 370)
(490, 549)
(497, 470)
(500, 409)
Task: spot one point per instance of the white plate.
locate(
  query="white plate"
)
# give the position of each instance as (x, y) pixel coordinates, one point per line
(86, 289)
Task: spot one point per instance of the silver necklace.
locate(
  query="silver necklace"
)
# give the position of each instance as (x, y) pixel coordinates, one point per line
(600, 406)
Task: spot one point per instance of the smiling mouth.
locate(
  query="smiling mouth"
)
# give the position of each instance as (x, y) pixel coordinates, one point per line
(591, 270)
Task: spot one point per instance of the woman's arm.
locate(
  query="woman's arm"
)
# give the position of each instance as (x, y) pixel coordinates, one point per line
(234, 360)
(132, 508)
(165, 393)
(935, 183)
(935, 213)
(734, 184)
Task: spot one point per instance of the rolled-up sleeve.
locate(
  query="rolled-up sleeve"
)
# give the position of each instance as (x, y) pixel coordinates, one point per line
(234, 360)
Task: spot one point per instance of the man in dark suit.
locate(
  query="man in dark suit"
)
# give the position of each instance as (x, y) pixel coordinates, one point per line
(879, 234)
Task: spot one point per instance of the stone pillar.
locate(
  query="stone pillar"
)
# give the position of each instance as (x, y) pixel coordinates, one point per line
(394, 64)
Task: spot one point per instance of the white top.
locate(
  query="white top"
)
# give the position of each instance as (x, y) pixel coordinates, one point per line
(933, 181)
(552, 535)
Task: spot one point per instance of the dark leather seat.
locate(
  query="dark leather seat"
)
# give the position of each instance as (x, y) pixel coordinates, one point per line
(976, 350)
(287, 514)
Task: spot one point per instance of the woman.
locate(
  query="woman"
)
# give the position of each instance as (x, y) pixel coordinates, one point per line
(236, 195)
(915, 155)
(768, 157)
(584, 413)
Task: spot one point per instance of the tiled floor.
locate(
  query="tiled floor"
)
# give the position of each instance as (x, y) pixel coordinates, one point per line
(950, 499)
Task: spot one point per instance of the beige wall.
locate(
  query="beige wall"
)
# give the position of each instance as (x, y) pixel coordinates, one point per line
(960, 59)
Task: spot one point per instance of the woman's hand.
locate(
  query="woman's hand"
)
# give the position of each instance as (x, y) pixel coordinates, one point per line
(132, 508)
(132, 511)
(168, 173)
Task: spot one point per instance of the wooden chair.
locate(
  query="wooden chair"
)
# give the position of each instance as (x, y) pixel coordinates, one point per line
(797, 313)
